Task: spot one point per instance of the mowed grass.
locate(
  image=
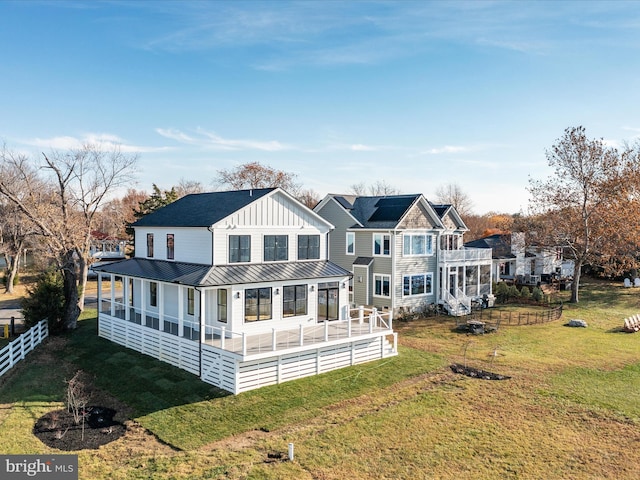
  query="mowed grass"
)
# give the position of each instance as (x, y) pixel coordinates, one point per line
(570, 410)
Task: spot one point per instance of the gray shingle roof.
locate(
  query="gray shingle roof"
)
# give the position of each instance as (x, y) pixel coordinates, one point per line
(194, 274)
(499, 243)
(201, 209)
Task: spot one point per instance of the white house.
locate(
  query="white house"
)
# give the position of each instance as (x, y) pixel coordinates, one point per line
(236, 287)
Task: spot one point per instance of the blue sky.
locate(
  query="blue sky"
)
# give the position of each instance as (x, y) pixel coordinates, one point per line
(418, 94)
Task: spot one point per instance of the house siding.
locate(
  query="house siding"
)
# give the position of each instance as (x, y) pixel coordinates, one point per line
(338, 237)
(190, 244)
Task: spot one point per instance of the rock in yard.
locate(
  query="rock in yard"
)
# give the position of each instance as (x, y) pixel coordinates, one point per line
(577, 323)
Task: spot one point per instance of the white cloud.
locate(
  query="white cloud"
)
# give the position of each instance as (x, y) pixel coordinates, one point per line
(447, 149)
(212, 140)
(104, 141)
(363, 148)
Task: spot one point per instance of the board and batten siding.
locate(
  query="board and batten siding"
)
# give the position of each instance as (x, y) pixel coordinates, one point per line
(273, 215)
(191, 245)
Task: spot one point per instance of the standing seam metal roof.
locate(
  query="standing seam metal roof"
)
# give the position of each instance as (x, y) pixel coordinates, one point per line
(210, 276)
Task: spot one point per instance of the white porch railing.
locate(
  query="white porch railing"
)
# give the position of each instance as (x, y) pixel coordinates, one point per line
(454, 303)
(362, 322)
(18, 348)
(466, 255)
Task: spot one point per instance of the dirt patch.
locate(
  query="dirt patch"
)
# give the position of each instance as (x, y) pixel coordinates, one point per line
(58, 429)
(477, 373)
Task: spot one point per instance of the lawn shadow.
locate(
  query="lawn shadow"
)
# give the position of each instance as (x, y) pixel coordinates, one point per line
(144, 384)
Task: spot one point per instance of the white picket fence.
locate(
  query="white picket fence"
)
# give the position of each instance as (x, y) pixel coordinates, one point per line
(18, 348)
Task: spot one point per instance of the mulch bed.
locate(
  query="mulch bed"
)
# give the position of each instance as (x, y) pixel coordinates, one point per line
(477, 373)
(58, 429)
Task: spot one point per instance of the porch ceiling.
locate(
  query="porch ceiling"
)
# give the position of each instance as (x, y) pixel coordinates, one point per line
(210, 276)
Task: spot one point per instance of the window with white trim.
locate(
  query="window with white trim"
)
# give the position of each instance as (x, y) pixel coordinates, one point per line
(382, 285)
(382, 244)
(417, 244)
(419, 284)
(351, 243)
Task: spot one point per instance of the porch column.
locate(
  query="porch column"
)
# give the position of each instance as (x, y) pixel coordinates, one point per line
(202, 309)
(126, 294)
(99, 293)
(180, 310)
(143, 313)
(113, 296)
(160, 306)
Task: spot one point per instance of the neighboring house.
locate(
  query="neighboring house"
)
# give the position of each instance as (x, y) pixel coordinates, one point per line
(514, 261)
(106, 247)
(405, 253)
(236, 287)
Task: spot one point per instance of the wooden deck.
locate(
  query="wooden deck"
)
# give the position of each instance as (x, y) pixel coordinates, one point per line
(307, 336)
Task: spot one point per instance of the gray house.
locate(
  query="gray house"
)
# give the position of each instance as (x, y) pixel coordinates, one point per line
(405, 253)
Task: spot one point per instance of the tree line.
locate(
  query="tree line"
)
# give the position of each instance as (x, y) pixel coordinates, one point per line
(53, 205)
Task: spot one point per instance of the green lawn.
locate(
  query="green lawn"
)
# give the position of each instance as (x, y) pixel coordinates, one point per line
(570, 410)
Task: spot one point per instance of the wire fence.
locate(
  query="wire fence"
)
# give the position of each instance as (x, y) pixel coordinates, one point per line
(501, 317)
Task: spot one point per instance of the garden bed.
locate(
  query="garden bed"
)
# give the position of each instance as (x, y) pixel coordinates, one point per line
(477, 373)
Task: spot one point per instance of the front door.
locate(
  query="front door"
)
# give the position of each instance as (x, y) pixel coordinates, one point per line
(327, 304)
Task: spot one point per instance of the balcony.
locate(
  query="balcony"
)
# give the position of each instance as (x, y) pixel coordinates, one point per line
(475, 255)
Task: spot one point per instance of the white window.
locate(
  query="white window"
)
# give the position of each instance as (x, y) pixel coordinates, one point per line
(382, 285)
(381, 244)
(419, 284)
(351, 243)
(414, 244)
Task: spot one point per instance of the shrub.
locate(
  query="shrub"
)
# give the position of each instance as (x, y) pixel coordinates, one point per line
(513, 292)
(501, 292)
(537, 294)
(525, 293)
(45, 300)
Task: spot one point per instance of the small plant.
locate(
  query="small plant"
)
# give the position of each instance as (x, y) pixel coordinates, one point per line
(77, 399)
(465, 352)
(525, 293)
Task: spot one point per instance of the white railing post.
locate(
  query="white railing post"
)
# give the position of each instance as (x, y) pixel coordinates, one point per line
(222, 336)
(326, 330)
(244, 343)
(373, 318)
(349, 329)
(361, 314)
(301, 335)
(274, 341)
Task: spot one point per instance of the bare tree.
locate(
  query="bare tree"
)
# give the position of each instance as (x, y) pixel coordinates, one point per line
(256, 175)
(62, 197)
(309, 197)
(16, 234)
(591, 202)
(376, 189)
(186, 187)
(453, 194)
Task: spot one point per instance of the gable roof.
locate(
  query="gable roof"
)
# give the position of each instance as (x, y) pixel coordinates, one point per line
(201, 209)
(378, 211)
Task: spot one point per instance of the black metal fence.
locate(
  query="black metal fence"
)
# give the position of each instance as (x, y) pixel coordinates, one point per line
(501, 317)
